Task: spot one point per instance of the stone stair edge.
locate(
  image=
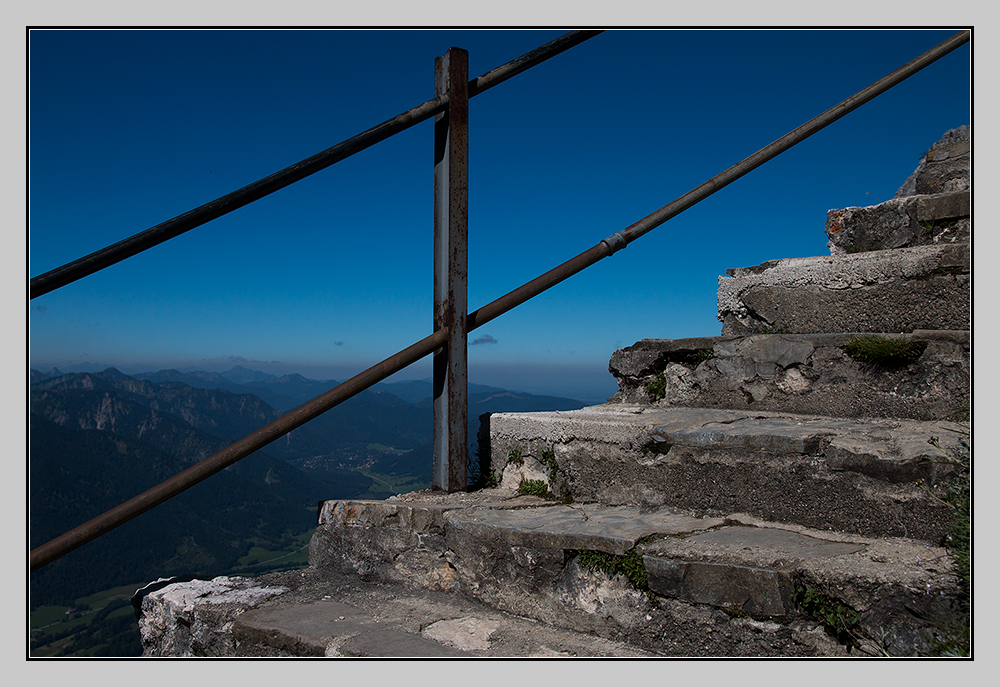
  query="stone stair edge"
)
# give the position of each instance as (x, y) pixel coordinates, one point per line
(866, 475)
(799, 373)
(319, 613)
(911, 260)
(679, 523)
(697, 343)
(738, 561)
(931, 205)
(900, 222)
(662, 420)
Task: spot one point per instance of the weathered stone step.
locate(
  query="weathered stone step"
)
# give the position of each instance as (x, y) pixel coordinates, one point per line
(903, 222)
(317, 612)
(876, 477)
(924, 375)
(901, 290)
(665, 581)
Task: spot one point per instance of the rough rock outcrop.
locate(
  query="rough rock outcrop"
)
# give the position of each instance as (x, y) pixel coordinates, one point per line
(195, 618)
(945, 168)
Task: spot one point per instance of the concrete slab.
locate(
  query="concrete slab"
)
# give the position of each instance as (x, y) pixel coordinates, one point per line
(758, 591)
(468, 633)
(387, 643)
(633, 428)
(779, 435)
(896, 588)
(745, 568)
(783, 545)
(579, 527)
(922, 287)
(301, 629)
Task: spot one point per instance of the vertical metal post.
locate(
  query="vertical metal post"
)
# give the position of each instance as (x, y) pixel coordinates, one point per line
(451, 267)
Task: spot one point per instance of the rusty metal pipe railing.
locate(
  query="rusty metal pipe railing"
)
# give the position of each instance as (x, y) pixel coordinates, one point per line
(126, 248)
(94, 528)
(622, 238)
(169, 488)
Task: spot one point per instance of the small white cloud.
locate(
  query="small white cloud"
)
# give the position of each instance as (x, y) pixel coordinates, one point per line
(484, 339)
(239, 359)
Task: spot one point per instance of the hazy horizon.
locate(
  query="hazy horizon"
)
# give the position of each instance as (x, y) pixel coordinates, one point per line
(591, 384)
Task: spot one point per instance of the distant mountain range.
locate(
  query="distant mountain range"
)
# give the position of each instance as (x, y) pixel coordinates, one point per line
(97, 439)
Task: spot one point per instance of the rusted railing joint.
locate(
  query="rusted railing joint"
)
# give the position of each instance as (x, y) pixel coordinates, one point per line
(615, 242)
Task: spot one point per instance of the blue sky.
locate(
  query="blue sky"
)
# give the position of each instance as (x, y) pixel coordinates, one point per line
(331, 275)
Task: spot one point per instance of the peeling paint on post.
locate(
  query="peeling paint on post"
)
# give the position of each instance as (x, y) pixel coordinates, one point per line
(451, 203)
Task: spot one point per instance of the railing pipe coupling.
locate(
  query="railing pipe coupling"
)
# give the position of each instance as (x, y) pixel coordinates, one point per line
(615, 242)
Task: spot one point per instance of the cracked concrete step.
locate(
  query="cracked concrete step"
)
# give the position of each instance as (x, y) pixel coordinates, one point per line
(330, 628)
(798, 373)
(522, 555)
(316, 612)
(899, 290)
(876, 477)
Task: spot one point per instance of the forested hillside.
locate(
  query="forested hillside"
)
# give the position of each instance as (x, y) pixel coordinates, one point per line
(99, 439)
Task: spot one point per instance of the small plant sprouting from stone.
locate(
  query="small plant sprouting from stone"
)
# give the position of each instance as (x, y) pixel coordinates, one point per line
(549, 461)
(936, 226)
(883, 353)
(629, 566)
(514, 456)
(839, 619)
(534, 487)
(657, 388)
(492, 481)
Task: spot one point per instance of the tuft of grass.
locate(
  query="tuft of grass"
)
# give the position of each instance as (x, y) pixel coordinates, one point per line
(549, 461)
(490, 481)
(514, 456)
(534, 487)
(839, 619)
(629, 566)
(657, 388)
(882, 353)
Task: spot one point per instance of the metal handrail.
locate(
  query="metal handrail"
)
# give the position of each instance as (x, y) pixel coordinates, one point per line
(103, 523)
(126, 248)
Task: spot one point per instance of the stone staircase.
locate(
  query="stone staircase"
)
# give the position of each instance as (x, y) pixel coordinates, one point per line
(774, 491)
